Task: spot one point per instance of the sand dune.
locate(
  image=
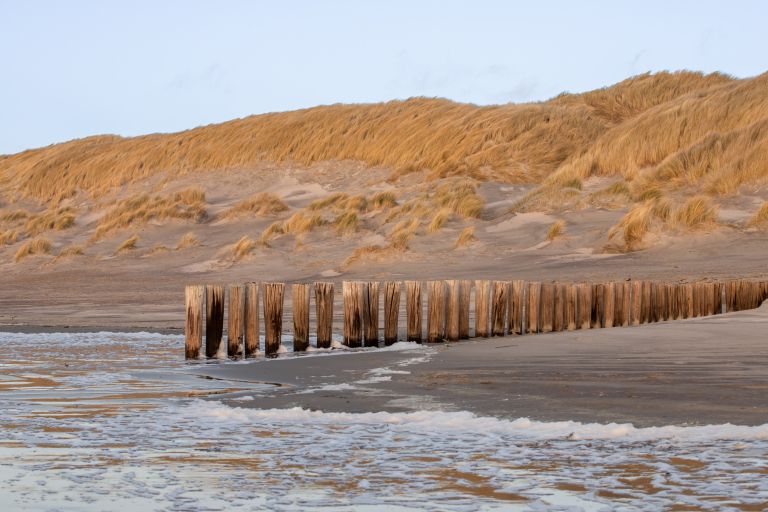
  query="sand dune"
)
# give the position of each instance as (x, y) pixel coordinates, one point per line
(659, 175)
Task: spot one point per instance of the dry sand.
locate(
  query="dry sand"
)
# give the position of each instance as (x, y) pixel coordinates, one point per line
(710, 370)
(144, 289)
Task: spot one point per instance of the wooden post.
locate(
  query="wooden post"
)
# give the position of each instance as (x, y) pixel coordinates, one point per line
(465, 293)
(324, 313)
(671, 290)
(454, 310)
(695, 300)
(627, 305)
(482, 292)
(680, 301)
(689, 300)
(194, 297)
(708, 303)
(413, 310)
(558, 320)
(637, 302)
(704, 299)
(598, 306)
(646, 303)
(371, 313)
(660, 299)
(585, 305)
(547, 307)
(732, 294)
(435, 311)
(720, 299)
(251, 319)
(274, 295)
(609, 304)
(571, 302)
(533, 304)
(620, 314)
(214, 318)
(516, 307)
(300, 300)
(499, 306)
(235, 320)
(353, 322)
(391, 311)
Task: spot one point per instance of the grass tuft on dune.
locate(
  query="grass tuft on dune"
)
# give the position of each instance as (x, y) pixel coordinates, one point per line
(556, 230)
(128, 245)
(33, 247)
(188, 204)
(466, 237)
(262, 204)
(758, 220)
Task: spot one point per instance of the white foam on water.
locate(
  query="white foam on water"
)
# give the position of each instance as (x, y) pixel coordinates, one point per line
(180, 453)
(463, 421)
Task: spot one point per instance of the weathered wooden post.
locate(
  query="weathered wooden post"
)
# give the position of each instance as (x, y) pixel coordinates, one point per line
(391, 311)
(704, 299)
(720, 298)
(680, 301)
(532, 306)
(274, 295)
(465, 293)
(627, 304)
(435, 311)
(709, 293)
(598, 306)
(620, 313)
(194, 297)
(300, 301)
(609, 304)
(733, 296)
(454, 310)
(371, 313)
(696, 300)
(689, 300)
(647, 303)
(324, 313)
(637, 302)
(571, 304)
(499, 306)
(251, 319)
(516, 306)
(214, 318)
(558, 320)
(235, 320)
(482, 307)
(547, 307)
(584, 305)
(353, 322)
(671, 292)
(660, 302)
(413, 310)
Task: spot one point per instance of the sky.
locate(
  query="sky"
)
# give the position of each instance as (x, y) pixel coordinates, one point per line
(78, 68)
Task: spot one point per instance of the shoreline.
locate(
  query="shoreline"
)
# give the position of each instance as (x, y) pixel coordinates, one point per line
(709, 370)
(715, 371)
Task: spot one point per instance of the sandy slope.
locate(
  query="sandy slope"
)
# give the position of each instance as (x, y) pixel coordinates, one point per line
(142, 288)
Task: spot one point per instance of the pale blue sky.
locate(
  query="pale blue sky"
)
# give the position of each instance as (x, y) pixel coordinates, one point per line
(72, 68)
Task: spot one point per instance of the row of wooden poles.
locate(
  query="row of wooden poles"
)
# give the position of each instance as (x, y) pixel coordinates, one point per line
(500, 308)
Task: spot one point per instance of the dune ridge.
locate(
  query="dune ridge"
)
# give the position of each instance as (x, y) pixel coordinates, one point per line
(525, 143)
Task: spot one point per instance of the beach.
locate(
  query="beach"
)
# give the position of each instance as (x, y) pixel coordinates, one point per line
(700, 371)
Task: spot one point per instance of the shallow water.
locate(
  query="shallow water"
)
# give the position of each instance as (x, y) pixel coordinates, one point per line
(117, 421)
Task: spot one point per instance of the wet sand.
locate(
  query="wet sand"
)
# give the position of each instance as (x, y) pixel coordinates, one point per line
(710, 370)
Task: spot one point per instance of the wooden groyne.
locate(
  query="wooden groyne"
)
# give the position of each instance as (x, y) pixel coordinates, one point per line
(498, 308)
